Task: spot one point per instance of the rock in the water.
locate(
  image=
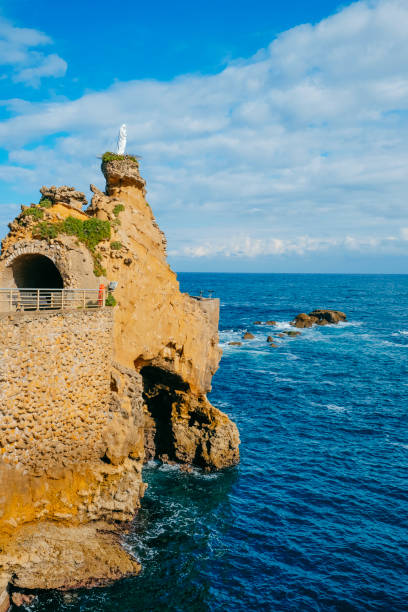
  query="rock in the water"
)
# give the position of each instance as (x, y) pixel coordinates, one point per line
(270, 322)
(235, 343)
(257, 323)
(21, 599)
(248, 336)
(318, 317)
(331, 316)
(303, 320)
(291, 334)
(270, 341)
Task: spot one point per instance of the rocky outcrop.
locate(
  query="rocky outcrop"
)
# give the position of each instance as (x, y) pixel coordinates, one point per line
(51, 556)
(122, 173)
(71, 453)
(318, 317)
(161, 333)
(183, 428)
(64, 195)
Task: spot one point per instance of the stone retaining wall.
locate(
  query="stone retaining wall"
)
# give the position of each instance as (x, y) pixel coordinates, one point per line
(55, 372)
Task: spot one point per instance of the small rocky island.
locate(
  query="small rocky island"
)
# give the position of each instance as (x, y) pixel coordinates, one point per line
(319, 317)
(90, 392)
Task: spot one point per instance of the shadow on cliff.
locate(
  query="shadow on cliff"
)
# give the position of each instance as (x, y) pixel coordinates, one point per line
(183, 427)
(161, 390)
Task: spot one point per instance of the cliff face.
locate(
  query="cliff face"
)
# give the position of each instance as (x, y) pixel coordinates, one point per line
(87, 398)
(171, 338)
(63, 460)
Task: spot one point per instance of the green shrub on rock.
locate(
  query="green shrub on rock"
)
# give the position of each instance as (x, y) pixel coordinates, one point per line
(34, 211)
(99, 270)
(45, 203)
(89, 231)
(109, 156)
(110, 300)
(45, 230)
(118, 209)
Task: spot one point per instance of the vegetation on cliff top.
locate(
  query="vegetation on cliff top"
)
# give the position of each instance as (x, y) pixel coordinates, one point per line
(109, 156)
(45, 203)
(33, 211)
(89, 231)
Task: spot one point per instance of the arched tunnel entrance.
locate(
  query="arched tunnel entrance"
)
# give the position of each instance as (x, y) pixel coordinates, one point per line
(33, 271)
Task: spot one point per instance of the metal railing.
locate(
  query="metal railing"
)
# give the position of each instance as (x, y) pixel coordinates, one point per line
(17, 300)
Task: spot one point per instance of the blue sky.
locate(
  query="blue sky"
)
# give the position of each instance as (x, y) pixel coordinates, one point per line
(273, 135)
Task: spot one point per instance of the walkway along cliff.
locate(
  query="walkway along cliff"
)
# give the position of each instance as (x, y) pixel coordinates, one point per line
(90, 392)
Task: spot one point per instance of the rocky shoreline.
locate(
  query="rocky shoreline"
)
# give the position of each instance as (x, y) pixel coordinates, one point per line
(89, 395)
(320, 317)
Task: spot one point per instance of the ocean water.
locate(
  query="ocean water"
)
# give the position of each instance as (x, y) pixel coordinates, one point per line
(315, 517)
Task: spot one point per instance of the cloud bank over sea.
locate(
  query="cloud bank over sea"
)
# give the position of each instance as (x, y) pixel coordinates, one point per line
(299, 149)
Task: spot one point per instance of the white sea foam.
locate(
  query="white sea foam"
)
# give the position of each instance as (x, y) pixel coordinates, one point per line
(388, 343)
(400, 332)
(336, 408)
(401, 444)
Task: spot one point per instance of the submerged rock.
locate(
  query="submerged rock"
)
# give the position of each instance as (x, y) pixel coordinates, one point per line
(264, 323)
(291, 334)
(235, 343)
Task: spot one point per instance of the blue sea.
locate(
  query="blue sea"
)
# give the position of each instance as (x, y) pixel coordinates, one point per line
(315, 517)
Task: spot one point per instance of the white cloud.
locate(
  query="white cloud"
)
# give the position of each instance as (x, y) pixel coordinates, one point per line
(248, 247)
(305, 145)
(19, 53)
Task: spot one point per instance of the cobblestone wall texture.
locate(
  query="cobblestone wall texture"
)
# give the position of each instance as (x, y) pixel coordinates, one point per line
(55, 371)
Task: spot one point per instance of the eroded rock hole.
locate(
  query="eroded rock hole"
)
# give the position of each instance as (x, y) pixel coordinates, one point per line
(160, 391)
(36, 271)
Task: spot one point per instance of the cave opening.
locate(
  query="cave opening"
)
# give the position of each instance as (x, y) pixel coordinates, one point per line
(161, 390)
(33, 271)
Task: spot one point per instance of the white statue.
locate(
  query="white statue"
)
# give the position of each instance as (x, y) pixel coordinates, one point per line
(121, 147)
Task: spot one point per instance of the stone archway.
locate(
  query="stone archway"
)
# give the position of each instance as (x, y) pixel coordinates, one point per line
(36, 271)
(47, 265)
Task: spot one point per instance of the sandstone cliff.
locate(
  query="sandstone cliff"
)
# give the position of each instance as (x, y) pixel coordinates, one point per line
(169, 337)
(87, 397)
